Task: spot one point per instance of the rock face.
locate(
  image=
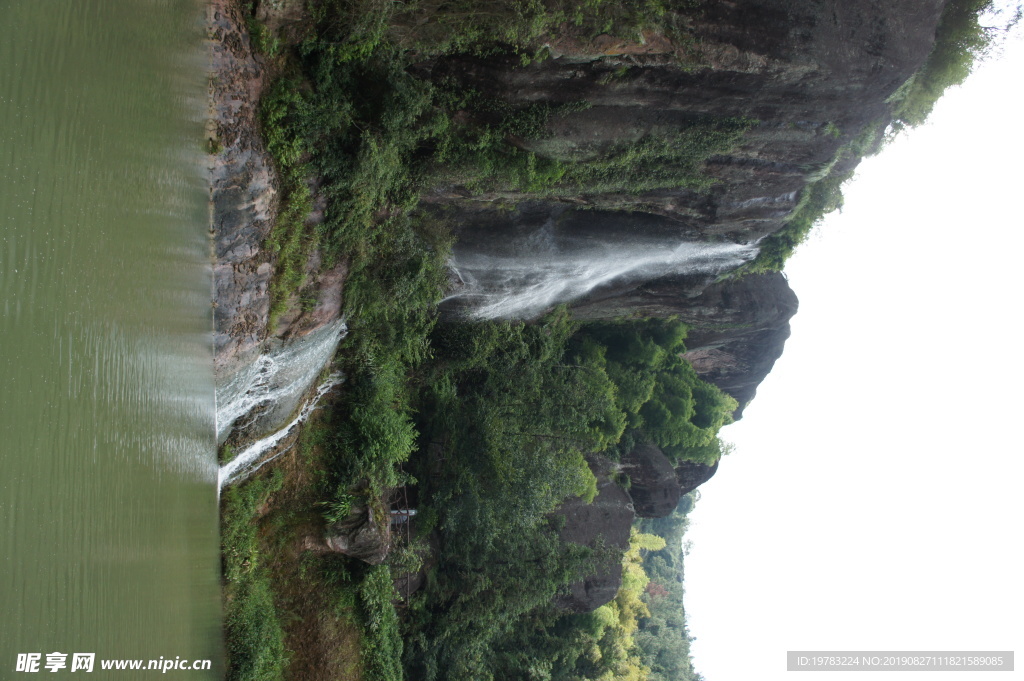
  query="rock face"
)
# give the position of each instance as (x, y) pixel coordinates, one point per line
(652, 481)
(738, 330)
(609, 519)
(244, 204)
(242, 194)
(813, 75)
(738, 326)
(692, 475)
(365, 534)
(654, 492)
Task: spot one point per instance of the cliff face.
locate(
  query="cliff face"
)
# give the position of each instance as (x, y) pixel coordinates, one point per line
(813, 76)
(242, 194)
(243, 206)
(738, 327)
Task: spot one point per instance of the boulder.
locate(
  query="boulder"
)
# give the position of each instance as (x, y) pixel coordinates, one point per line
(692, 475)
(365, 534)
(653, 487)
(607, 520)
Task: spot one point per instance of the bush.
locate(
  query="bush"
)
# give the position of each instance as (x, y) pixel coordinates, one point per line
(382, 640)
(959, 41)
(253, 635)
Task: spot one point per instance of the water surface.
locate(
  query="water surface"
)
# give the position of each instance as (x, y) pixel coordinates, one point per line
(107, 467)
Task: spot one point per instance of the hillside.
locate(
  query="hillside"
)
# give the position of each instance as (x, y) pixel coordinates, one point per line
(556, 235)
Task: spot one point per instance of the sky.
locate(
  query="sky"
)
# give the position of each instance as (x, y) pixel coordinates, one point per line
(873, 500)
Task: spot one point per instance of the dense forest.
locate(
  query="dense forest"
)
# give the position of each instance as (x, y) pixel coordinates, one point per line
(485, 428)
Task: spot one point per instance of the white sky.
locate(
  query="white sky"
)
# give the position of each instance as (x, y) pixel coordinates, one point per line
(874, 498)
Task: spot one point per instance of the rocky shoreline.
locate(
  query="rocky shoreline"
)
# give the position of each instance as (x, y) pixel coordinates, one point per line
(244, 201)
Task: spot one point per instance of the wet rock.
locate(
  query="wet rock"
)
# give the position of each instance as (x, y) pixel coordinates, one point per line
(244, 205)
(242, 193)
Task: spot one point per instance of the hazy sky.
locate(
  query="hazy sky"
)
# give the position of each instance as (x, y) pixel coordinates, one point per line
(874, 498)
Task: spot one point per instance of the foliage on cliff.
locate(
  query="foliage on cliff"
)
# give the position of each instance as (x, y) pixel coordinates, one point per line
(352, 121)
(961, 40)
(663, 636)
(659, 393)
(434, 27)
(640, 634)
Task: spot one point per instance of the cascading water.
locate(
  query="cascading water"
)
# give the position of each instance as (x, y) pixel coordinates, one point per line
(251, 459)
(525, 275)
(268, 390)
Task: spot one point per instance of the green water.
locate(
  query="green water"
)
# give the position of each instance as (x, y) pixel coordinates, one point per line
(108, 508)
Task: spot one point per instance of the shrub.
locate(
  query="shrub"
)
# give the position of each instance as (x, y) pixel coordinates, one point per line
(959, 41)
(253, 635)
(382, 640)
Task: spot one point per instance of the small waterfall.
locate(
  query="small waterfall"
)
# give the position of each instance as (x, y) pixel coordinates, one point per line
(523, 277)
(268, 390)
(248, 462)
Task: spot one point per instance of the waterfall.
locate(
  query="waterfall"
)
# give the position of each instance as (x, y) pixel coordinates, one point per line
(522, 277)
(248, 462)
(268, 390)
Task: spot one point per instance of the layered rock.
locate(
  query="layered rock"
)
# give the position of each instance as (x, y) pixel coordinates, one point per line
(243, 197)
(812, 74)
(814, 77)
(243, 206)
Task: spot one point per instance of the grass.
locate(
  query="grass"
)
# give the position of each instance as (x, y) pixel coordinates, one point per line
(273, 629)
(382, 640)
(253, 633)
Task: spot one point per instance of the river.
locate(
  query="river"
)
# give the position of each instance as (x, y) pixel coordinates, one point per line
(108, 476)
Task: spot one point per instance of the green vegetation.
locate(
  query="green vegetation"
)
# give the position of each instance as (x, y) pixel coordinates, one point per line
(640, 634)
(349, 115)
(492, 421)
(382, 642)
(502, 415)
(959, 42)
(818, 200)
(433, 27)
(663, 638)
(255, 639)
(508, 412)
